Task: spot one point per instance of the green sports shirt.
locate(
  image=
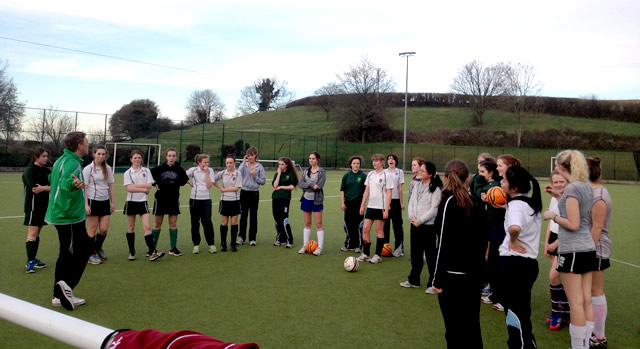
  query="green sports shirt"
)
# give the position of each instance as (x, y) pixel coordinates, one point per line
(353, 185)
(285, 179)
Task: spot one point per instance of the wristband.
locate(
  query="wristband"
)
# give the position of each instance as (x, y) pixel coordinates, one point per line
(554, 218)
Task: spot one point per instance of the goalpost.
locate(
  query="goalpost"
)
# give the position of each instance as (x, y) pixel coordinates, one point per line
(137, 145)
(276, 163)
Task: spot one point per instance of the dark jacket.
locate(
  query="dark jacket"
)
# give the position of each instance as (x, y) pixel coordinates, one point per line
(463, 239)
(169, 180)
(33, 175)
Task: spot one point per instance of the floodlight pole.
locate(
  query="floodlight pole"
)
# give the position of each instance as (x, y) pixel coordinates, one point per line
(406, 93)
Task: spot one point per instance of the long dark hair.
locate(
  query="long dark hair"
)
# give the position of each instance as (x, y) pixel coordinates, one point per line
(457, 173)
(103, 165)
(290, 167)
(518, 177)
(436, 182)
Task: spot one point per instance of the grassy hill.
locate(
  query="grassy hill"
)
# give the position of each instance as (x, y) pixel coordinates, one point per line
(294, 132)
(301, 120)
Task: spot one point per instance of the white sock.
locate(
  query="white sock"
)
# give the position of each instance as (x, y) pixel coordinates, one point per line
(320, 238)
(306, 233)
(599, 315)
(588, 329)
(577, 337)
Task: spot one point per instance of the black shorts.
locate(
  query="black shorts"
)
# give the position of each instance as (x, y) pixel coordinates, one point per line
(577, 262)
(134, 208)
(230, 208)
(99, 208)
(35, 218)
(552, 238)
(162, 207)
(602, 264)
(374, 214)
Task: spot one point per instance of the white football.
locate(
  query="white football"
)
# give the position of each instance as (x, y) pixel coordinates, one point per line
(351, 264)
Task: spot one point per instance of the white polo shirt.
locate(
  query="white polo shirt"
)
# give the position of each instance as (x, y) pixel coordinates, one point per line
(97, 188)
(230, 180)
(378, 183)
(521, 214)
(141, 176)
(199, 191)
(398, 178)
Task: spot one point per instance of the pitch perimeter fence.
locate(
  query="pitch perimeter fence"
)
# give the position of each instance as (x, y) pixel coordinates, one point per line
(217, 140)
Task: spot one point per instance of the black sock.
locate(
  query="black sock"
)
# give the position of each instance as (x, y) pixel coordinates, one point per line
(32, 249)
(379, 244)
(223, 235)
(99, 240)
(37, 246)
(149, 240)
(367, 248)
(234, 235)
(131, 241)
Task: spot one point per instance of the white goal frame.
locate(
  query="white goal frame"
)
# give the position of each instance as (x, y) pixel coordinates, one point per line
(276, 162)
(115, 148)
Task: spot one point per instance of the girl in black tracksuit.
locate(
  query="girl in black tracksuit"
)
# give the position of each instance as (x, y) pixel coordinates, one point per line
(461, 222)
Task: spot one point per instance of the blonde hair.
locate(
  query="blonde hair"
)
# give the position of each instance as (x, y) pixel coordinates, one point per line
(200, 157)
(575, 163)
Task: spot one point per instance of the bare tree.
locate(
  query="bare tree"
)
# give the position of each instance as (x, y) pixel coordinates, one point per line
(11, 109)
(53, 125)
(204, 106)
(522, 85)
(364, 109)
(482, 84)
(265, 94)
(327, 100)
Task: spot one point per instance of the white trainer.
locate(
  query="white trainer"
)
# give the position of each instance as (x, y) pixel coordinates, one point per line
(375, 259)
(430, 290)
(407, 284)
(318, 251)
(363, 258)
(302, 250)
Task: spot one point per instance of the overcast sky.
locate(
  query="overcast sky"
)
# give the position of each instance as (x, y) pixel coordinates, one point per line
(578, 47)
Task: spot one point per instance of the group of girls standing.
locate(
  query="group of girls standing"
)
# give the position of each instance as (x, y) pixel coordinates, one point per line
(584, 246)
(469, 232)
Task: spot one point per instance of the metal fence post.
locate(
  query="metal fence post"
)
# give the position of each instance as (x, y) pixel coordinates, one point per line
(274, 145)
(180, 141)
(304, 143)
(222, 144)
(75, 126)
(614, 164)
(44, 114)
(105, 129)
(202, 139)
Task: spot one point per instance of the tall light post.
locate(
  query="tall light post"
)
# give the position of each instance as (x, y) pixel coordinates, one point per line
(406, 93)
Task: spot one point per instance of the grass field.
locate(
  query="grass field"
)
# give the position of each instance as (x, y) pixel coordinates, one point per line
(280, 299)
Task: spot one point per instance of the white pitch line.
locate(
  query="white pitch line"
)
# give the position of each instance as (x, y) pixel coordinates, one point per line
(213, 203)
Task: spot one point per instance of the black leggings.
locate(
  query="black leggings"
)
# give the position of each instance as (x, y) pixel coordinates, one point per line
(201, 212)
(249, 202)
(280, 210)
(423, 242)
(395, 219)
(353, 221)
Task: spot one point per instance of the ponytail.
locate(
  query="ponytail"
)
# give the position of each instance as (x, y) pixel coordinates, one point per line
(519, 178)
(457, 172)
(436, 182)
